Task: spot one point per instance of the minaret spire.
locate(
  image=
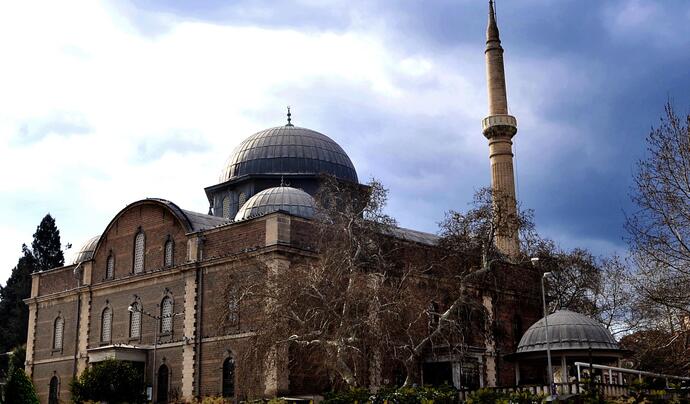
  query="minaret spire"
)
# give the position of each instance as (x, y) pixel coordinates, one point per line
(499, 128)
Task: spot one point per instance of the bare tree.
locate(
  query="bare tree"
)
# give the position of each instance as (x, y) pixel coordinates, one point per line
(659, 236)
(659, 230)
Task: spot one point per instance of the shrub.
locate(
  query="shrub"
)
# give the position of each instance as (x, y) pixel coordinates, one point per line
(19, 389)
(410, 395)
(487, 396)
(112, 381)
(525, 397)
(359, 395)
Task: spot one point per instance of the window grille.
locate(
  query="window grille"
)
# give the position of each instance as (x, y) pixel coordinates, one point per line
(226, 207)
(106, 325)
(242, 199)
(233, 310)
(139, 253)
(135, 321)
(166, 315)
(110, 267)
(58, 330)
(169, 247)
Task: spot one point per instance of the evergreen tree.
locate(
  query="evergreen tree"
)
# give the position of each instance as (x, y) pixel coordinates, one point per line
(19, 389)
(46, 245)
(14, 314)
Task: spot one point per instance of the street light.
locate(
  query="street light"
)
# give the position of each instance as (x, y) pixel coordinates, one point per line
(133, 309)
(535, 261)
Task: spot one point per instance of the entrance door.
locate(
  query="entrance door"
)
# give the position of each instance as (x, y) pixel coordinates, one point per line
(229, 377)
(162, 390)
(53, 391)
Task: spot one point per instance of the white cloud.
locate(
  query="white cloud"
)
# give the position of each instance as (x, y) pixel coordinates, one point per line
(195, 83)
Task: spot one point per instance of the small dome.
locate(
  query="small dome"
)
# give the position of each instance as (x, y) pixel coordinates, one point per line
(567, 331)
(289, 150)
(291, 200)
(85, 253)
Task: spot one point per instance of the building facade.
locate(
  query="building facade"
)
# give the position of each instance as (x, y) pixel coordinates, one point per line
(151, 288)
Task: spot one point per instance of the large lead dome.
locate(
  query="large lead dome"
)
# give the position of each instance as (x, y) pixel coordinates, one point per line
(289, 150)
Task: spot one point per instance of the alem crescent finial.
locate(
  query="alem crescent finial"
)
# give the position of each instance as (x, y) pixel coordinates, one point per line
(289, 116)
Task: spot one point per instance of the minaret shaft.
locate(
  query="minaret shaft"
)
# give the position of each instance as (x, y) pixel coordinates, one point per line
(499, 128)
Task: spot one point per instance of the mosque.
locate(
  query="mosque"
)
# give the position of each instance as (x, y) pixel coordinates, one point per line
(149, 288)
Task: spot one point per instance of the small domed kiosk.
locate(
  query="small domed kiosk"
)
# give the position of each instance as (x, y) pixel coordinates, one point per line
(573, 337)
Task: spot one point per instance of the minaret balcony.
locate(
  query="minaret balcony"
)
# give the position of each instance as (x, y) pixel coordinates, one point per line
(499, 124)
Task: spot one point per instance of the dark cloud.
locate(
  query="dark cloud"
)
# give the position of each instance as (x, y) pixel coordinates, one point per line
(594, 74)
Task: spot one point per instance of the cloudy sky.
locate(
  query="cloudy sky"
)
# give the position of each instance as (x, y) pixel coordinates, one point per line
(105, 103)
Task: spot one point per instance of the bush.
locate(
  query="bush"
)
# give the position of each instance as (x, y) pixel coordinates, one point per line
(487, 396)
(410, 395)
(19, 389)
(359, 395)
(112, 381)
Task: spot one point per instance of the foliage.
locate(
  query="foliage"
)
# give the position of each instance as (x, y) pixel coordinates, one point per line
(111, 380)
(19, 389)
(410, 395)
(46, 246)
(353, 395)
(525, 397)
(14, 314)
(44, 254)
(486, 396)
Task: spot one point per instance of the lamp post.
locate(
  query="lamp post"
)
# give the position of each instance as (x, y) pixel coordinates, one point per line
(133, 309)
(535, 261)
(158, 319)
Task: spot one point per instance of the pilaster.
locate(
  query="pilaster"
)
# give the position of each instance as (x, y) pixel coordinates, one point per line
(188, 352)
(489, 343)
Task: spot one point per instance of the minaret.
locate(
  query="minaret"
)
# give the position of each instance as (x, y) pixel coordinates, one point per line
(499, 128)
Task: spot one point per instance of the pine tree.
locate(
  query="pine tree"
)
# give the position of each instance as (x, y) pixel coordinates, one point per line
(46, 245)
(19, 389)
(14, 314)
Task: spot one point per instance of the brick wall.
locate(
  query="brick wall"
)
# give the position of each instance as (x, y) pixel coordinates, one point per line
(214, 354)
(44, 372)
(45, 320)
(157, 223)
(235, 238)
(57, 280)
(150, 292)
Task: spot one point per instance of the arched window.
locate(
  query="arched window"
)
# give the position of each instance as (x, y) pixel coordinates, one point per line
(135, 320)
(106, 324)
(226, 207)
(162, 391)
(242, 199)
(166, 315)
(58, 331)
(110, 267)
(169, 250)
(139, 245)
(229, 377)
(53, 390)
(233, 309)
(517, 329)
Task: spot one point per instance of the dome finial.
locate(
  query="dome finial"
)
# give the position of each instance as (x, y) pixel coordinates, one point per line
(289, 116)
